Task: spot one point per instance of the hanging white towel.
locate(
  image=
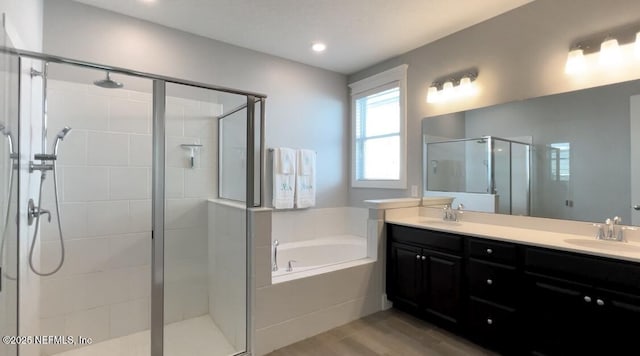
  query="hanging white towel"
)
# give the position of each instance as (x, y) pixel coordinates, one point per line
(284, 177)
(306, 179)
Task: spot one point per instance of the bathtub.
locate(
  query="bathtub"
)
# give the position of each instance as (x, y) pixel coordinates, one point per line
(319, 255)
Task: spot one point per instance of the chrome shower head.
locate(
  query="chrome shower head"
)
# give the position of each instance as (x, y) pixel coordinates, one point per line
(108, 83)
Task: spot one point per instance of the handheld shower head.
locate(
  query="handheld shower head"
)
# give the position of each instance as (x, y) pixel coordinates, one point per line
(5, 131)
(65, 130)
(59, 137)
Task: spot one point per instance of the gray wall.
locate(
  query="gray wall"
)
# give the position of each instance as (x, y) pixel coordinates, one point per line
(307, 106)
(520, 54)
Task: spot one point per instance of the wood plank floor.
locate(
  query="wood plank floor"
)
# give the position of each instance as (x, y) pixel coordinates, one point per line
(387, 333)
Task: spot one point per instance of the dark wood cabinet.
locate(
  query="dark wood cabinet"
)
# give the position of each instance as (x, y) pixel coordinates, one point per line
(423, 279)
(557, 317)
(514, 298)
(404, 275)
(568, 315)
(442, 285)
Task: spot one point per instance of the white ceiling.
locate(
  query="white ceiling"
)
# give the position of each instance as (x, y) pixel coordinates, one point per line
(358, 33)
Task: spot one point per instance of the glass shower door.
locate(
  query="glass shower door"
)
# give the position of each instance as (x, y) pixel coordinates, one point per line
(9, 100)
(205, 275)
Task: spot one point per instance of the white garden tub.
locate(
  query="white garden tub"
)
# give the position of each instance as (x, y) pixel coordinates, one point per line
(318, 253)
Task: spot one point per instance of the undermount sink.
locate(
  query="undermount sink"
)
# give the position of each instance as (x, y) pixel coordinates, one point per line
(604, 245)
(440, 222)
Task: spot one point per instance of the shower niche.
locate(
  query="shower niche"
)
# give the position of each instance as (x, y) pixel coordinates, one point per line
(487, 173)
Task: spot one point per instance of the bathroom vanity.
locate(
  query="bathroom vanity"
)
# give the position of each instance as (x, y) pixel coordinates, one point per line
(517, 291)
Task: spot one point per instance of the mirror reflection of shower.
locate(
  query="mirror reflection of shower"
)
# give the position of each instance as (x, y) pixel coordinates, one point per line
(47, 162)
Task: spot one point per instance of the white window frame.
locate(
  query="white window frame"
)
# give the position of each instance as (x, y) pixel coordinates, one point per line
(376, 83)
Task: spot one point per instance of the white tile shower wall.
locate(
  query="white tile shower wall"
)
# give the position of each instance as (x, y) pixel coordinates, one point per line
(299, 225)
(103, 289)
(227, 268)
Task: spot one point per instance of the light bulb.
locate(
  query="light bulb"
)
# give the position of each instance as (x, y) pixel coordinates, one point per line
(432, 94)
(576, 62)
(609, 52)
(637, 50)
(447, 90)
(319, 47)
(465, 87)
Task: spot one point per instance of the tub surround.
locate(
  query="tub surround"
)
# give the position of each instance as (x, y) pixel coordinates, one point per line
(288, 310)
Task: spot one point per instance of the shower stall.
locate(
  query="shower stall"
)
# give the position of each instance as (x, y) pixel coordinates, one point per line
(488, 173)
(136, 238)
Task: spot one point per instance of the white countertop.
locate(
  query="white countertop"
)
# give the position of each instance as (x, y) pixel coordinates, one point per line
(629, 251)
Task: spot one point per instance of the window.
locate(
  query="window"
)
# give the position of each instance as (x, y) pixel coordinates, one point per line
(378, 130)
(560, 161)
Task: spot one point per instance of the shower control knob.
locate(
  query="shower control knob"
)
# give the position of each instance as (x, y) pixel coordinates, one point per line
(424, 258)
(417, 257)
(636, 207)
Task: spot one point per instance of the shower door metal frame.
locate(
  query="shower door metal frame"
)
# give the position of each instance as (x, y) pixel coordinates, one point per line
(159, 176)
(157, 216)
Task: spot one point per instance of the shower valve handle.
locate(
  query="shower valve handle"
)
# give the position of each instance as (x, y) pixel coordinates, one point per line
(35, 212)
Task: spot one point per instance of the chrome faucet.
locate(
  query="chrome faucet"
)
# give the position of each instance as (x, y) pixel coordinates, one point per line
(614, 230)
(274, 265)
(290, 265)
(450, 214)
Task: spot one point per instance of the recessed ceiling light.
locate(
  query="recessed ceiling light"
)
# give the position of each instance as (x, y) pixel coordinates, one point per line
(148, 1)
(319, 47)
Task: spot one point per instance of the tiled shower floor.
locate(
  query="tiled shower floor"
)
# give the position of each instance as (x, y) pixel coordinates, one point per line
(194, 337)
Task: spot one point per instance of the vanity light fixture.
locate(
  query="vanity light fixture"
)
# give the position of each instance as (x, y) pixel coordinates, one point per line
(615, 49)
(452, 88)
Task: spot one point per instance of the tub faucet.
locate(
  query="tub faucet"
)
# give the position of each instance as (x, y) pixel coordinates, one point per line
(274, 266)
(290, 265)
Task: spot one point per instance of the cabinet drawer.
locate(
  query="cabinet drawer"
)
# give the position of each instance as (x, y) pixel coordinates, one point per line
(492, 325)
(583, 268)
(496, 283)
(493, 251)
(439, 241)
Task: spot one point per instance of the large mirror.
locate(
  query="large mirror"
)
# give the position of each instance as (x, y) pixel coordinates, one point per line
(566, 156)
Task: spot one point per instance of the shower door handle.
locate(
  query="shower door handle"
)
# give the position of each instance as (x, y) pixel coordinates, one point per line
(636, 207)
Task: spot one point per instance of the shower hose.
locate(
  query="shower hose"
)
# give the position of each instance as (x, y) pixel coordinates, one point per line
(35, 232)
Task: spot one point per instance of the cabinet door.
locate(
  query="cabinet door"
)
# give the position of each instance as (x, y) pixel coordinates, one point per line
(619, 316)
(403, 275)
(442, 285)
(560, 317)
